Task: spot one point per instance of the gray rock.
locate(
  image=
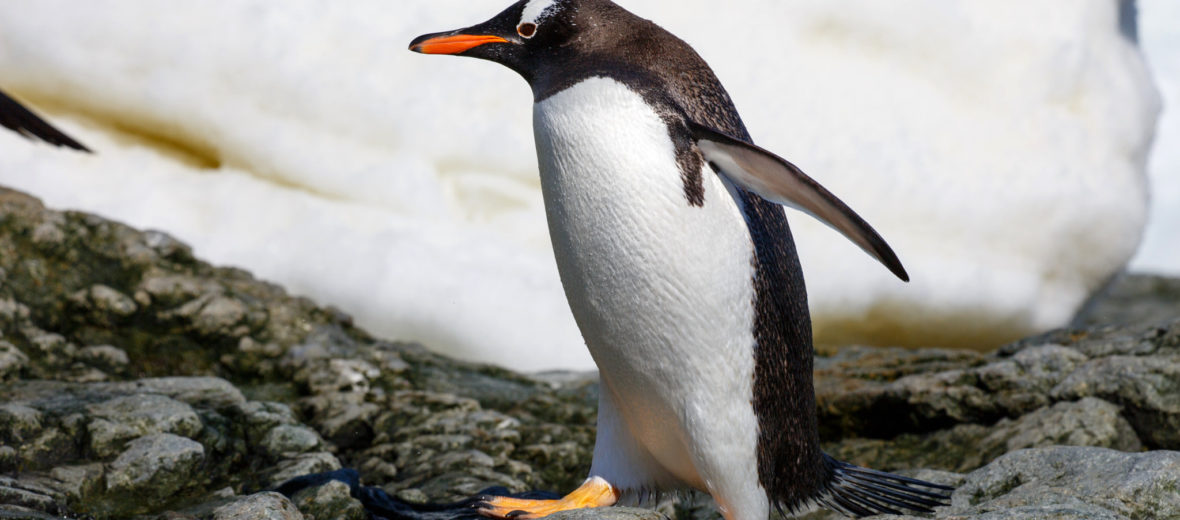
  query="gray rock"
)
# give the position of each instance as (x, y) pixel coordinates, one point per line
(14, 512)
(103, 304)
(299, 465)
(301, 389)
(262, 417)
(412, 496)
(28, 494)
(1089, 422)
(205, 392)
(77, 483)
(1074, 481)
(1133, 299)
(12, 360)
(330, 501)
(9, 459)
(118, 420)
(289, 440)
(104, 357)
(964, 447)
(343, 417)
(1147, 387)
(609, 513)
(19, 423)
(154, 468)
(261, 506)
(47, 447)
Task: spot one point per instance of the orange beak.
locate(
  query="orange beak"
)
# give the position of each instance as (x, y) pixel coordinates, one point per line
(454, 44)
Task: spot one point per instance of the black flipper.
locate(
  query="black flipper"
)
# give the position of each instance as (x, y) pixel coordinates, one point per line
(21, 120)
(777, 180)
(857, 492)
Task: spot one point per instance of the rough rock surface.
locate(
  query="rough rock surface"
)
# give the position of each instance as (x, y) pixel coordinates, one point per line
(331, 501)
(262, 506)
(130, 369)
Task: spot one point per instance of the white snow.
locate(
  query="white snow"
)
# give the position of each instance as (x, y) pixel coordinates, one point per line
(998, 146)
(1160, 36)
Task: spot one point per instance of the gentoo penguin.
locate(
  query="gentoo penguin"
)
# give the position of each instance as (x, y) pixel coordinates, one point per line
(23, 121)
(679, 268)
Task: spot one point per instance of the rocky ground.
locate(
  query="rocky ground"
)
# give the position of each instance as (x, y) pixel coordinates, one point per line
(138, 381)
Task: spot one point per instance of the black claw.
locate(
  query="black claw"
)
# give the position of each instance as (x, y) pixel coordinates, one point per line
(514, 514)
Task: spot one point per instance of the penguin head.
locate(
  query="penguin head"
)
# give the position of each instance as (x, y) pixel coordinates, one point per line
(526, 37)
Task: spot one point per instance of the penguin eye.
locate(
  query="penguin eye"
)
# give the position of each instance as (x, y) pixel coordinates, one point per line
(526, 29)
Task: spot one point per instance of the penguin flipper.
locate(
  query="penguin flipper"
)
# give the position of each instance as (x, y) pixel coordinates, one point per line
(777, 180)
(23, 121)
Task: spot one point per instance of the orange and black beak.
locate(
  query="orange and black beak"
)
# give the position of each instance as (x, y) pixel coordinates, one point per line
(444, 43)
(494, 40)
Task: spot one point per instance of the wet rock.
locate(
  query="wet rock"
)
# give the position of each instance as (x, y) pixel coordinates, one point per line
(261, 506)
(330, 501)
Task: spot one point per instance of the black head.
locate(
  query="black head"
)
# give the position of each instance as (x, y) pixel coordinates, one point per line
(531, 34)
(556, 43)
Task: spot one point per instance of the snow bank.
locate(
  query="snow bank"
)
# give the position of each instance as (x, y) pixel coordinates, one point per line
(998, 146)
(1160, 38)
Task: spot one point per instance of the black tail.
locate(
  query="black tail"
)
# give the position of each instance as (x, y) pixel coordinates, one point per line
(857, 491)
(19, 119)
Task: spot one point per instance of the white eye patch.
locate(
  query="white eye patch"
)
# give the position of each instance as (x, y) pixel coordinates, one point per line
(535, 10)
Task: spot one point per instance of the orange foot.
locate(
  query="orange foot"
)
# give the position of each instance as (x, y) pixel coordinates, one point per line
(595, 492)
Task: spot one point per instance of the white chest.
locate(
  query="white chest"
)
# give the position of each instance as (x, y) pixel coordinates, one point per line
(661, 289)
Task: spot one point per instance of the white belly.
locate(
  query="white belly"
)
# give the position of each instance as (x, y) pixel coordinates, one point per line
(661, 289)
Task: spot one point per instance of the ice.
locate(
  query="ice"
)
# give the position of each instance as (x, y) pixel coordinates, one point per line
(1000, 147)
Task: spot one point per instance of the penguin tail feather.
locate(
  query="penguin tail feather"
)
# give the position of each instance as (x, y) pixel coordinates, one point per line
(857, 492)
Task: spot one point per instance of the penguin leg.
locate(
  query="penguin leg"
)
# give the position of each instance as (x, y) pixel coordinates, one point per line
(595, 492)
(620, 466)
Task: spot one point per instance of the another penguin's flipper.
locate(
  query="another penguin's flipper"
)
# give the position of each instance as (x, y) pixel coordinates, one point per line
(777, 180)
(21, 120)
(857, 491)
(595, 492)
